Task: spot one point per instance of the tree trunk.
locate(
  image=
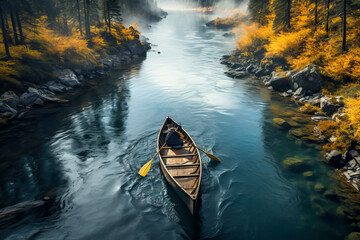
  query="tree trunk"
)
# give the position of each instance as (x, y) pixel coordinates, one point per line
(327, 16)
(4, 33)
(13, 23)
(109, 18)
(18, 21)
(6, 22)
(79, 16)
(87, 32)
(316, 13)
(288, 14)
(344, 27)
(88, 17)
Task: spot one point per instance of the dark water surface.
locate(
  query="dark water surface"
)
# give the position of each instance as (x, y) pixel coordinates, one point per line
(88, 152)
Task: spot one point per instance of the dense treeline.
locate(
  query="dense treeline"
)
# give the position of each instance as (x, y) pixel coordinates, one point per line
(290, 34)
(72, 32)
(324, 32)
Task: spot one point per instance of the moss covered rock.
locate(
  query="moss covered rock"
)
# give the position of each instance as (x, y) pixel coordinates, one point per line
(308, 174)
(353, 236)
(319, 187)
(294, 164)
(299, 132)
(281, 123)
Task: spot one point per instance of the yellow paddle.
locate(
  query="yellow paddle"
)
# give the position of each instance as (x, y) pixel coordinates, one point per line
(208, 154)
(145, 169)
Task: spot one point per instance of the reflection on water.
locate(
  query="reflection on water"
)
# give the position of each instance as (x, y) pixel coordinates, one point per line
(88, 152)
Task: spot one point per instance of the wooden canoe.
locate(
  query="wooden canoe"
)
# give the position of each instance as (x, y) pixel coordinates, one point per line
(181, 166)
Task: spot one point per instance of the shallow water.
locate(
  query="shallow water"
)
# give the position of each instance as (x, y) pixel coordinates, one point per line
(87, 153)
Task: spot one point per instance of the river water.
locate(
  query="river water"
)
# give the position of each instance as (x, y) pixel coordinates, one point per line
(87, 153)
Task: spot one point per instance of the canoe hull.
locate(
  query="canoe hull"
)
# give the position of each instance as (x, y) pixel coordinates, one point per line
(188, 195)
(187, 200)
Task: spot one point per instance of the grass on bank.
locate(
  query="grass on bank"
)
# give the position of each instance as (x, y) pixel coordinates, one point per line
(44, 47)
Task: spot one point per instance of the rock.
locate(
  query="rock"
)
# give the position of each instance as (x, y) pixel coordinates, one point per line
(29, 98)
(335, 158)
(308, 174)
(280, 81)
(236, 66)
(236, 74)
(353, 236)
(307, 79)
(229, 34)
(67, 77)
(55, 87)
(136, 47)
(352, 164)
(11, 99)
(251, 68)
(330, 105)
(299, 92)
(320, 118)
(294, 164)
(348, 155)
(261, 72)
(298, 132)
(7, 112)
(319, 187)
(12, 214)
(281, 123)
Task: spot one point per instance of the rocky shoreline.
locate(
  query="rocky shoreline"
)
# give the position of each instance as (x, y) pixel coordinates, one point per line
(15, 106)
(303, 87)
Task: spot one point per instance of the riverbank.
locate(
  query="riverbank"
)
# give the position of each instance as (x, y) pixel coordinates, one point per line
(14, 106)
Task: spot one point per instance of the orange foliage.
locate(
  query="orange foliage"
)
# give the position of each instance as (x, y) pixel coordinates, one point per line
(45, 44)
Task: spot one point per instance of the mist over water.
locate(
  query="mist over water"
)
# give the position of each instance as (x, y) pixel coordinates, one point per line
(88, 153)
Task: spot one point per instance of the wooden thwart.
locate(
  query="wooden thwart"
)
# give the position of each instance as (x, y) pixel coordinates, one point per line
(179, 156)
(186, 176)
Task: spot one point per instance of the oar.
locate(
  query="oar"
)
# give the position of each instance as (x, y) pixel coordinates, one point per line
(145, 169)
(208, 154)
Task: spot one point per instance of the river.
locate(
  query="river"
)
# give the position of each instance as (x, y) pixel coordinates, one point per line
(87, 153)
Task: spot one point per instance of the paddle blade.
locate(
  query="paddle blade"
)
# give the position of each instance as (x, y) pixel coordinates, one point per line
(210, 155)
(145, 169)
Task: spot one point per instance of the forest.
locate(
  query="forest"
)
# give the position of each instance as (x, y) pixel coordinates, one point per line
(289, 35)
(39, 34)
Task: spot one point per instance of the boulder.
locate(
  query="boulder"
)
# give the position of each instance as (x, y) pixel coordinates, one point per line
(281, 123)
(236, 74)
(55, 87)
(29, 98)
(251, 68)
(307, 79)
(67, 77)
(136, 47)
(261, 72)
(236, 66)
(294, 164)
(353, 236)
(330, 105)
(279, 81)
(7, 111)
(11, 99)
(335, 158)
(319, 187)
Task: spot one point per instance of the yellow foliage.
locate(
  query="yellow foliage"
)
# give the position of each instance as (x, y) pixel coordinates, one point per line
(71, 49)
(353, 112)
(287, 44)
(8, 72)
(253, 39)
(234, 19)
